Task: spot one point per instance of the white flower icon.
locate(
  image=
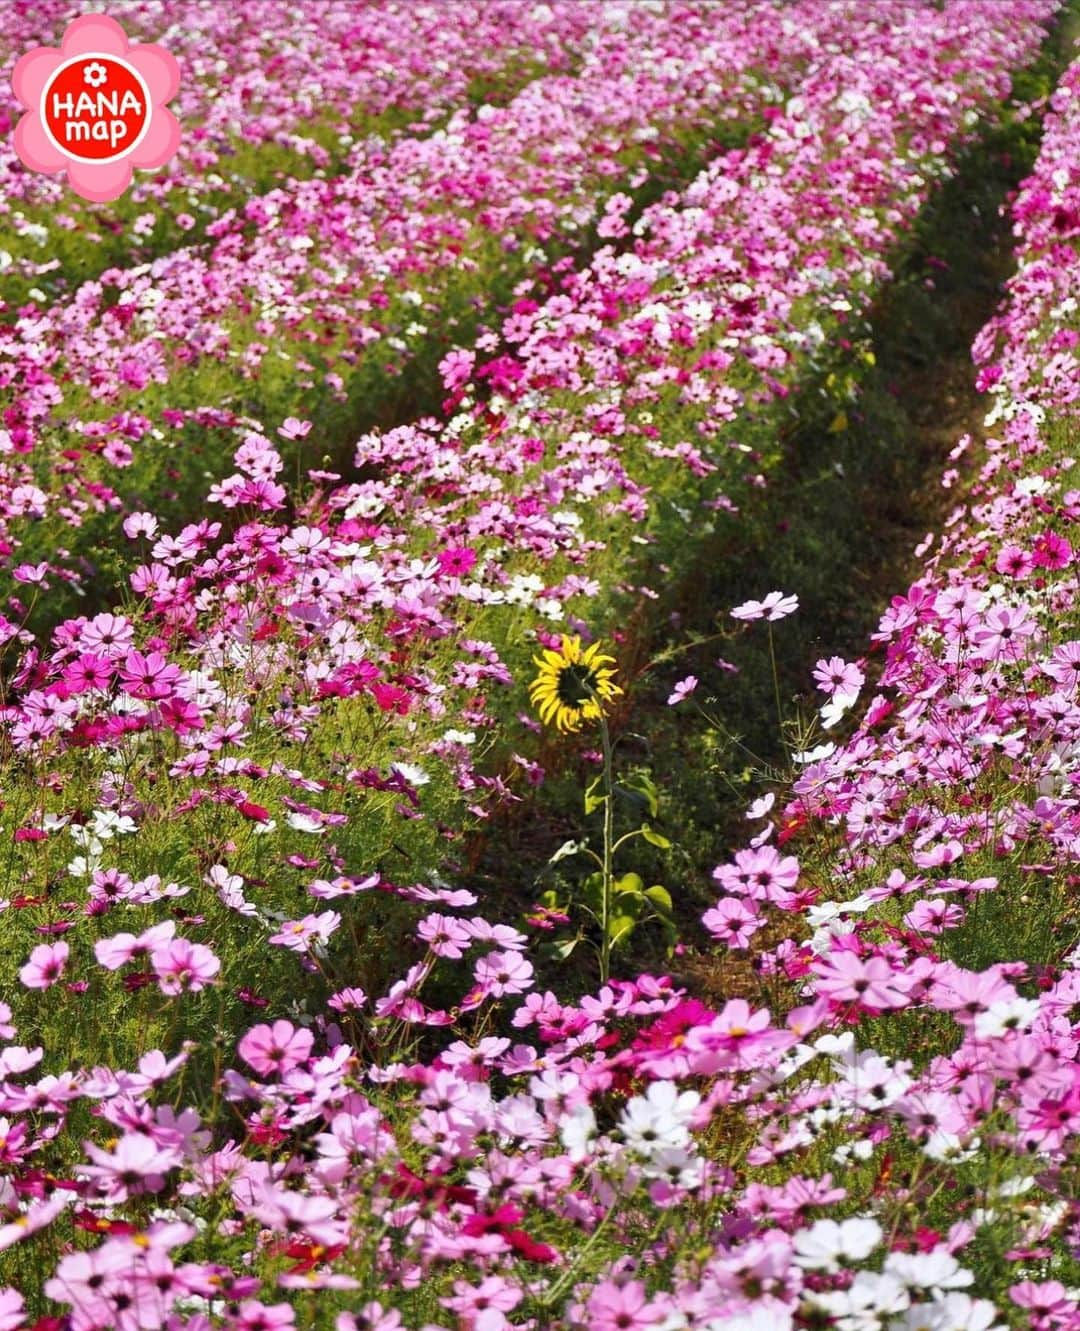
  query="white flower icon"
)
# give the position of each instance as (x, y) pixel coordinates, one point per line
(95, 74)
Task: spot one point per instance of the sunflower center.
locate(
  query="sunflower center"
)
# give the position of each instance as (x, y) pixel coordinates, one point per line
(577, 685)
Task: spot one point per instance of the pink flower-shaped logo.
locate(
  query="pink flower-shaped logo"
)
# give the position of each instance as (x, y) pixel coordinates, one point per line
(95, 107)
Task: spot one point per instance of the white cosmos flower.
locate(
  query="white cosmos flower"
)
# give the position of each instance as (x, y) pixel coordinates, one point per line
(577, 1127)
(830, 1244)
(1010, 1014)
(303, 822)
(953, 1312)
(862, 1306)
(936, 1270)
(675, 1164)
(659, 1118)
(773, 1318)
(942, 1145)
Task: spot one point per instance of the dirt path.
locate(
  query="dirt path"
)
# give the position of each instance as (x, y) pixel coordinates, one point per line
(859, 488)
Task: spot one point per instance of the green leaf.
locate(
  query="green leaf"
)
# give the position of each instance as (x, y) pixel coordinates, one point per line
(592, 890)
(643, 784)
(629, 885)
(593, 802)
(620, 927)
(660, 898)
(654, 838)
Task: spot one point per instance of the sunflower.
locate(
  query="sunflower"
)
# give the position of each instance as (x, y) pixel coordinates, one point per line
(572, 684)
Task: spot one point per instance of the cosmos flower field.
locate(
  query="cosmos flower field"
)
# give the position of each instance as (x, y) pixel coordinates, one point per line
(351, 469)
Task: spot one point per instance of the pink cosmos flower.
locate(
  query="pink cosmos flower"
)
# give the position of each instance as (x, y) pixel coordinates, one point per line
(255, 1316)
(112, 953)
(733, 922)
(456, 561)
(148, 677)
(138, 1164)
(111, 635)
(1003, 630)
(292, 428)
(312, 930)
(455, 368)
(372, 1317)
(46, 965)
(620, 1307)
(140, 524)
(446, 936)
(503, 973)
(837, 676)
(844, 977)
(775, 606)
(89, 671)
(762, 873)
(36, 1218)
(12, 1309)
(682, 689)
(184, 967)
(319, 1219)
(277, 1048)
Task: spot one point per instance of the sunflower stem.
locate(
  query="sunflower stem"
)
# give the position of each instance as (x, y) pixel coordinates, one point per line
(609, 855)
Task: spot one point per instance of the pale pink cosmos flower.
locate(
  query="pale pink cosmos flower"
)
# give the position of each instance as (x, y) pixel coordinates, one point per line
(347, 999)
(502, 973)
(140, 524)
(312, 930)
(682, 689)
(112, 953)
(446, 936)
(12, 1309)
(252, 1315)
(372, 1317)
(108, 634)
(319, 1219)
(46, 965)
(292, 428)
(37, 1217)
(138, 1164)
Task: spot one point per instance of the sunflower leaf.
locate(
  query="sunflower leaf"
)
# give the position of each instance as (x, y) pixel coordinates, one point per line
(660, 898)
(654, 838)
(593, 802)
(620, 927)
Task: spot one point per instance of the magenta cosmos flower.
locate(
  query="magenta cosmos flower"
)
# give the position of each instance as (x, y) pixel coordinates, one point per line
(95, 107)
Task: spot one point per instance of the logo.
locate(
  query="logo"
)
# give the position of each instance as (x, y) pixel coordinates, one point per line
(95, 107)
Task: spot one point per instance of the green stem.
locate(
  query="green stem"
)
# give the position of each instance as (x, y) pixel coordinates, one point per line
(776, 684)
(609, 855)
(567, 1278)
